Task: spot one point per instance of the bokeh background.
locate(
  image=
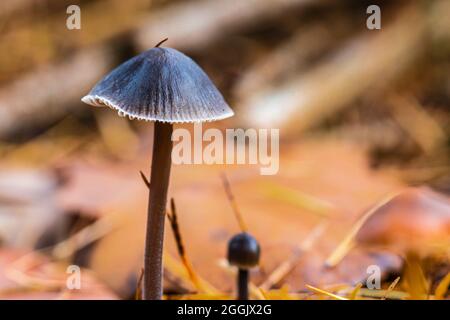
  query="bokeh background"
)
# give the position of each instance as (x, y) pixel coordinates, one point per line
(364, 157)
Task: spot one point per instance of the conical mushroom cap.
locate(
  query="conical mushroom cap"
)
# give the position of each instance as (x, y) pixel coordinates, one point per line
(161, 84)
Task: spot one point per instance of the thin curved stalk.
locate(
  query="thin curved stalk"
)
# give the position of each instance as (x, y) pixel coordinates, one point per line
(159, 183)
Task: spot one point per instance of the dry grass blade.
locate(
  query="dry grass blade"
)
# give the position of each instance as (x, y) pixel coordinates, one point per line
(286, 267)
(379, 294)
(442, 287)
(415, 281)
(264, 293)
(391, 288)
(294, 197)
(329, 294)
(138, 293)
(181, 250)
(354, 294)
(348, 242)
(178, 269)
(234, 206)
(256, 292)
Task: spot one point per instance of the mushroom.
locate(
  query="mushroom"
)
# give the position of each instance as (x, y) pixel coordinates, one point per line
(243, 252)
(165, 86)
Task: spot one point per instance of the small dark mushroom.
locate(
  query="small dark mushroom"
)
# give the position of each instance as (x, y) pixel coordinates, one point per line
(243, 252)
(165, 86)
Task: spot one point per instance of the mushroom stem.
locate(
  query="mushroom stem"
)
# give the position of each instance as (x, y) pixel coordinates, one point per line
(242, 284)
(159, 183)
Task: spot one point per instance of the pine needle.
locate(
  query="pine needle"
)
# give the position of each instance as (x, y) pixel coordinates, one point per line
(442, 287)
(332, 295)
(231, 199)
(180, 248)
(178, 269)
(287, 266)
(256, 292)
(348, 242)
(415, 281)
(390, 288)
(379, 294)
(355, 291)
(138, 293)
(299, 199)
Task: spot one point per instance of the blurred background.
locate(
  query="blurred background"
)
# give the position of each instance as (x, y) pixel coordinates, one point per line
(364, 119)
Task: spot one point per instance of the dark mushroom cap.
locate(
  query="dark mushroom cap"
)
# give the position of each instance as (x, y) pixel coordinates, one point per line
(243, 251)
(161, 84)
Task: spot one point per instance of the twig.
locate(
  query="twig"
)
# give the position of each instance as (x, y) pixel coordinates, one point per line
(144, 178)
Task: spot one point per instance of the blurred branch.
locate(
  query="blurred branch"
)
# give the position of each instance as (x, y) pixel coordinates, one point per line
(306, 44)
(193, 24)
(420, 125)
(7, 8)
(48, 93)
(45, 38)
(360, 66)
